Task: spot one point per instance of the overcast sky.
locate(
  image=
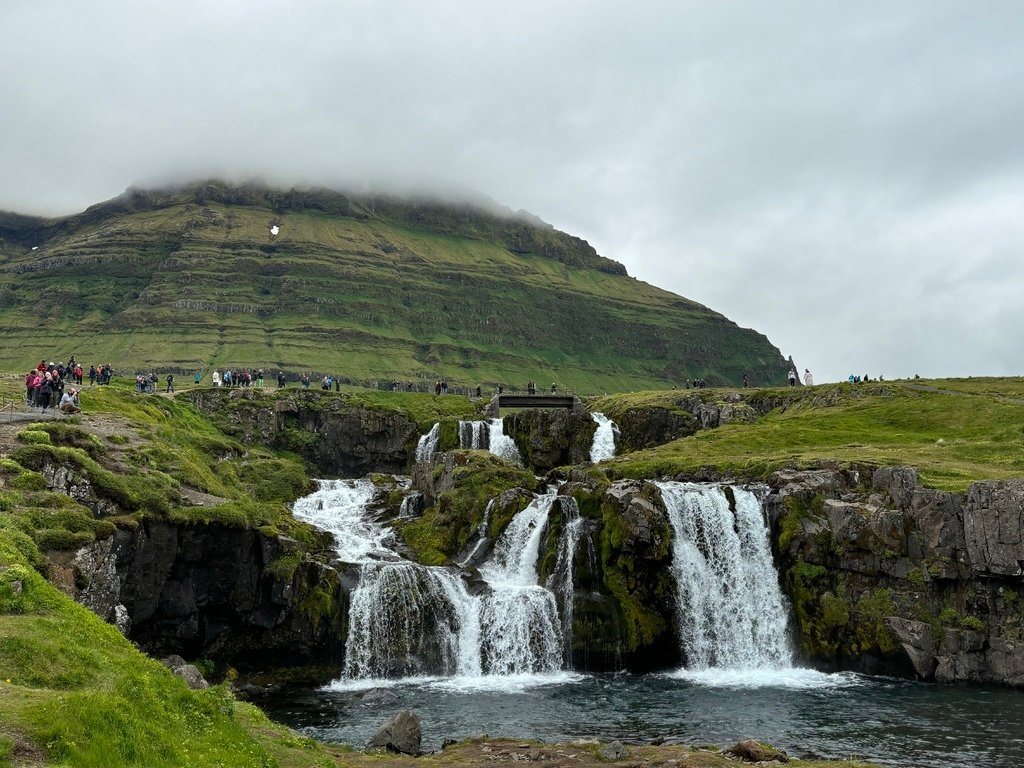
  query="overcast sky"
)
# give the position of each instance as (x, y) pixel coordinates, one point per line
(847, 178)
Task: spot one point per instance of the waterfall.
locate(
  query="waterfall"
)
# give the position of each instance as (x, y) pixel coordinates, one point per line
(501, 444)
(603, 446)
(410, 619)
(560, 582)
(489, 435)
(407, 619)
(427, 446)
(730, 610)
(473, 434)
(520, 628)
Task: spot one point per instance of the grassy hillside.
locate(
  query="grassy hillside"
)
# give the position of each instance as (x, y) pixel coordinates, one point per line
(955, 431)
(367, 288)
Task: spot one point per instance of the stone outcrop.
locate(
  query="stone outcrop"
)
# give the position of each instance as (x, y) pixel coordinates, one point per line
(401, 733)
(641, 428)
(994, 527)
(211, 591)
(888, 576)
(551, 438)
(338, 439)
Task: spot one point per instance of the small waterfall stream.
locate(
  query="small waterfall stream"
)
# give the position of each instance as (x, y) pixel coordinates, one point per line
(427, 446)
(473, 434)
(489, 435)
(603, 446)
(730, 610)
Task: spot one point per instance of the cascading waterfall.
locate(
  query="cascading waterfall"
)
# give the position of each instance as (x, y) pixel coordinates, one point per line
(520, 628)
(731, 612)
(481, 535)
(404, 618)
(489, 435)
(409, 619)
(427, 446)
(501, 444)
(603, 446)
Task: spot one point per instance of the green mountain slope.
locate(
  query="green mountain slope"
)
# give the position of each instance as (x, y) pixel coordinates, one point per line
(370, 288)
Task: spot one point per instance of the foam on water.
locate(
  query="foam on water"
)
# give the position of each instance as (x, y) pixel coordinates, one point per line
(794, 678)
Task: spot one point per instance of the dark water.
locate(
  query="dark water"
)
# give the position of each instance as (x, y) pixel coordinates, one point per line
(886, 721)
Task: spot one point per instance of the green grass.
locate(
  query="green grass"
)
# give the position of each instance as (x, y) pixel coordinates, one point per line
(79, 693)
(166, 450)
(954, 439)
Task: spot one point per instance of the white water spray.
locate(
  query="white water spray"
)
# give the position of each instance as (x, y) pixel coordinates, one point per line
(521, 631)
(731, 612)
(603, 446)
(427, 446)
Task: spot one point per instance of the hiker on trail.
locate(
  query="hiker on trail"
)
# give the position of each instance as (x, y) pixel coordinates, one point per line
(808, 378)
(554, 388)
(215, 378)
(170, 383)
(437, 388)
(197, 377)
(745, 384)
(69, 402)
(280, 379)
(92, 375)
(792, 377)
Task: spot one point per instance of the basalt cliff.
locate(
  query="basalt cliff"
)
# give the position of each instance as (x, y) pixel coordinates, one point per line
(883, 572)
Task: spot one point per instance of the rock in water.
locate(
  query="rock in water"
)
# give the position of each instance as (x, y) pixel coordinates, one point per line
(613, 751)
(753, 751)
(399, 734)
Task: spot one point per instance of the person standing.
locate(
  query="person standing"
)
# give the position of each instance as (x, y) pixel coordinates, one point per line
(170, 383)
(808, 379)
(196, 378)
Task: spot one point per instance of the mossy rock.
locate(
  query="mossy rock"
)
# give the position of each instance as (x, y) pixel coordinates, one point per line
(34, 437)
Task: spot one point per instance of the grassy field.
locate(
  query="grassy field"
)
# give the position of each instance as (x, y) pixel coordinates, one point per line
(954, 431)
(378, 293)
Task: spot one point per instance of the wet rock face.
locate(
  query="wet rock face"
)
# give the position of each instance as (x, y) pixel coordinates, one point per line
(223, 593)
(889, 576)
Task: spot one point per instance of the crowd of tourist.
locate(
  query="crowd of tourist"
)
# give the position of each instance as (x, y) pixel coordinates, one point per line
(56, 385)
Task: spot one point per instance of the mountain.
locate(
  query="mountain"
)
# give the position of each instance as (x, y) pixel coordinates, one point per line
(368, 287)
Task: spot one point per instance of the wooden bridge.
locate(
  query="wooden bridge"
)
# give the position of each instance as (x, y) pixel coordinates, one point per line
(568, 400)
